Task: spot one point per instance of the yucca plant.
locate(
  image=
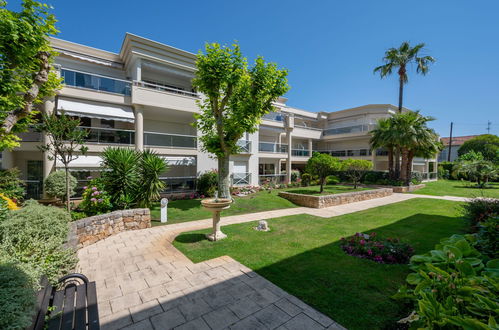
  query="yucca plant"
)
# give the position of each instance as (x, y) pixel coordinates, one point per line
(150, 186)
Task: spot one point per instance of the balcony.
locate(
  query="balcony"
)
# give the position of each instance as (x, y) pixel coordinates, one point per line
(300, 152)
(275, 116)
(347, 130)
(271, 178)
(347, 153)
(244, 145)
(272, 147)
(170, 140)
(109, 135)
(176, 185)
(95, 82)
(241, 179)
(163, 96)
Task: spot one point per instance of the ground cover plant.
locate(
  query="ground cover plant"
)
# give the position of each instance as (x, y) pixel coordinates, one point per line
(302, 255)
(190, 209)
(458, 188)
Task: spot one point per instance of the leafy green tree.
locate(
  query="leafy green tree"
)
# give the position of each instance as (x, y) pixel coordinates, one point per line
(355, 169)
(398, 59)
(235, 97)
(481, 171)
(66, 142)
(322, 165)
(55, 185)
(471, 156)
(26, 56)
(487, 145)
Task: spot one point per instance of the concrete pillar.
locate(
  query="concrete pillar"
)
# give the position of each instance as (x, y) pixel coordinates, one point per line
(139, 128)
(310, 147)
(288, 161)
(7, 159)
(137, 70)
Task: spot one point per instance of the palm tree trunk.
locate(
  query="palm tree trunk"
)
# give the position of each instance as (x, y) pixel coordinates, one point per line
(403, 172)
(409, 167)
(398, 175)
(390, 163)
(223, 177)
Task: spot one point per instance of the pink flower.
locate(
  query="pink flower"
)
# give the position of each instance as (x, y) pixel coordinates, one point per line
(362, 242)
(85, 188)
(94, 188)
(95, 193)
(93, 200)
(370, 252)
(100, 200)
(202, 196)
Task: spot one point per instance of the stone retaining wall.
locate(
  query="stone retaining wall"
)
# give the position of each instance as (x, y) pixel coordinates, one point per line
(404, 189)
(87, 231)
(321, 201)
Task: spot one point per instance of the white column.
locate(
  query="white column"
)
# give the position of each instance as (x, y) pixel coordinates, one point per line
(288, 161)
(7, 159)
(310, 147)
(139, 128)
(137, 70)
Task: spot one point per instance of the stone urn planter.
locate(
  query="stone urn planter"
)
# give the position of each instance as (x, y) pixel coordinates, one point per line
(216, 205)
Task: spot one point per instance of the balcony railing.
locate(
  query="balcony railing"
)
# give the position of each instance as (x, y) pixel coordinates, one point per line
(109, 135)
(31, 135)
(244, 145)
(308, 127)
(300, 152)
(163, 88)
(95, 82)
(271, 178)
(170, 140)
(241, 179)
(276, 116)
(347, 153)
(346, 130)
(272, 147)
(174, 185)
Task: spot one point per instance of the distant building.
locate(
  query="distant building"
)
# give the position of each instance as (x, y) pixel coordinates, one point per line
(457, 141)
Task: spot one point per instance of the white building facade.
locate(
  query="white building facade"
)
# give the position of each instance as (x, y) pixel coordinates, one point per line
(143, 98)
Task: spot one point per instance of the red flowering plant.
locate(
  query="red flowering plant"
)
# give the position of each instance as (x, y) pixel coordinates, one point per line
(381, 250)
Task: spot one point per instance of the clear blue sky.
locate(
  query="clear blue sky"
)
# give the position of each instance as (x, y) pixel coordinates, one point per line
(329, 47)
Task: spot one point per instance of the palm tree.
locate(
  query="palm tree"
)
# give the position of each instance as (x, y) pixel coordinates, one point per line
(400, 58)
(382, 137)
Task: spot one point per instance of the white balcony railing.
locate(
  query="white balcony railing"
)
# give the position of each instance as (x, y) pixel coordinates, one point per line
(97, 82)
(244, 145)
(163, 88)
(347, 153)
(272, 147)
(241, 179)
(170, 140)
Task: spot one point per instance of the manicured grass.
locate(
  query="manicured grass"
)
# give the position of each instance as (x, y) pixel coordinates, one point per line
(191, 209)
(328, 190)
(458, 188)
(301, 254)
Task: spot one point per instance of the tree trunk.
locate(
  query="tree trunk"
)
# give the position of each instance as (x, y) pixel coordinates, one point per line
(403, 172)
(398, 175)
(409, 167)
(223, 178)
(68, 206)
(390, 164)
(322, 185)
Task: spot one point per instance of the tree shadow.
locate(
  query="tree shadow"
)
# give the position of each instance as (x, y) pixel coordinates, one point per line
(190, 238)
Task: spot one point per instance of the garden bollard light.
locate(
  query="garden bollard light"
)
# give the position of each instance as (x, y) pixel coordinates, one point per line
(164, 206)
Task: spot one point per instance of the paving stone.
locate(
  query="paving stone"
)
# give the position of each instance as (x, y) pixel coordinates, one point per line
(142, 325)
(176, 285)
(216, 272)
(219, 299)
(172, 300)
(194, 308)
(220, 318)
(302, 321)
(249, 323)
(272, 317)
(244, 307)
(108, 293)
(199, 267)
(104, 308)
(317, 316)
(152, 293)
(196, 324)
(116, 320)
(126, 301)
(288, 307)
(145, 310)
(197, 279)
(131, 286)
(263, 297)
(240, 290)
(168, 319)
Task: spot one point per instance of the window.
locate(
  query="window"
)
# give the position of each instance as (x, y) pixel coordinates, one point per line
(266, 169)
(105, 123)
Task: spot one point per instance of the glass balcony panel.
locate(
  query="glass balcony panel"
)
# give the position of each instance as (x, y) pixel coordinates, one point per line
(169, 140)
(179, 184)
(87, 80)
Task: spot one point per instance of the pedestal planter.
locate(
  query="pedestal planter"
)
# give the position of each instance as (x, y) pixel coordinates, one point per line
(216, 205)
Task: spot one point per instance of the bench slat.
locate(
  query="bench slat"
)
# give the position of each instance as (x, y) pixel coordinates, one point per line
(81, 307)
(93, 312)
(69, 305)
(40, 320)
(56, 313)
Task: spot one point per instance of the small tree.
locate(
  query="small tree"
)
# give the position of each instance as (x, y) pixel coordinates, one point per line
(66, 142)
(322, 165)
(355, 169)
(26, 78)
(55, 185)
(235, 99)
(481, 171)
(487, 145)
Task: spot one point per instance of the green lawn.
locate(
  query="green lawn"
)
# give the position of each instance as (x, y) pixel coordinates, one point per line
(458, 188)
(191, 209)
(301, 254)
(332, 189)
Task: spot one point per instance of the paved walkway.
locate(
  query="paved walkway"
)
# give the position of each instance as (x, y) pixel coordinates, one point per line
(143, 282)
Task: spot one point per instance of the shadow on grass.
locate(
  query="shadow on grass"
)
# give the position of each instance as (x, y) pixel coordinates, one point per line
(190, 238)
(354, 292)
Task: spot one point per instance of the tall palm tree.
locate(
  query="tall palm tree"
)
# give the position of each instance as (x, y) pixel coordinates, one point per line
(382, 137)
(400, 58)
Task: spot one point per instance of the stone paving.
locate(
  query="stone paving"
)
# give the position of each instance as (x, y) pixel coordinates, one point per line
(143, 282)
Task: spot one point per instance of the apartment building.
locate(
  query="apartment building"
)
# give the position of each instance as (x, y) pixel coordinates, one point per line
(142, 97)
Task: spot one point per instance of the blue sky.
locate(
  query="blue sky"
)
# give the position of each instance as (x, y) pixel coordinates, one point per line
(329, 47)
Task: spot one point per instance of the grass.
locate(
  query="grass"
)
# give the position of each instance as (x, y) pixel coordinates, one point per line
(301, 254)
(328, 190)
(458, 188)
(191, 209)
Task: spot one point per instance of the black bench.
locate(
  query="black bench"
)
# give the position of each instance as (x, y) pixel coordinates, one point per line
(71, 304)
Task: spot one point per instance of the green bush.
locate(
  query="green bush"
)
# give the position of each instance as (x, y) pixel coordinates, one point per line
(488, 237)
(4, 210)
(295, 175)
(207, 183)
(34, 236)
(480, 209)
(17, 295)
(332, 180)
(10, 184)
(451, 287)
(486, 144)
(55, 185)
(306, 179)
(416, 177)
(95, 200)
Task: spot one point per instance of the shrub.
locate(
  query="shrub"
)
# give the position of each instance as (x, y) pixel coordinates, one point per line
(9, 203)
(75, 215)
(95, 200)
(369, 246)
(355, 169)
(451, 287)
(34, 236)
(416, 177)
(332, 179)
(487, 237)
(55, 185)
(306, 179)
(487, 145)
(4, 209)
(151, 186)
(10, 184)
(207, 183)
(322, 165)
(295, 175)
(480, 209)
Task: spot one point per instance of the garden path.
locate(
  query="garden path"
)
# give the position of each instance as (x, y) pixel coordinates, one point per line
(144, 282)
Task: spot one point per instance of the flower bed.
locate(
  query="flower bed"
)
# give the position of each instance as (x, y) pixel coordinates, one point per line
(381, 250)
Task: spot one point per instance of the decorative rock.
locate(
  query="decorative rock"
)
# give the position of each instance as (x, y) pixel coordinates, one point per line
(262, 226)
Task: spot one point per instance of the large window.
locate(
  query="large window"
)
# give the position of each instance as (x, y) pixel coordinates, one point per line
(92, 81)
(266, 169)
